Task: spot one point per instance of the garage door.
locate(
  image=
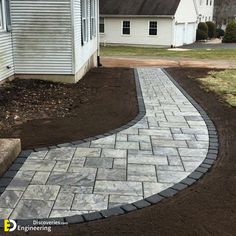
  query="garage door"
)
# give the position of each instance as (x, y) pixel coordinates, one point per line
(179, 34)
(190, 33)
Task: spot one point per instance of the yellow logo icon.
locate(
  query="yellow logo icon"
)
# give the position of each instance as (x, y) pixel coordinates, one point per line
(9, 225)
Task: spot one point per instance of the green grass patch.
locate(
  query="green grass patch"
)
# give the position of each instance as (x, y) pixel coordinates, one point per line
(228, 54)
(222, 83)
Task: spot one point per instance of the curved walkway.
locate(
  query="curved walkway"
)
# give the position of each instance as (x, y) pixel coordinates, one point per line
(163, 148)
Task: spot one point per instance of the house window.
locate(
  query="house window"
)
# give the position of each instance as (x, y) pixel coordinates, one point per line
(207, 1)
(92, 19)
(152, 28)
(1, 15)
(126, 27)
(84, 13)
(101, 25)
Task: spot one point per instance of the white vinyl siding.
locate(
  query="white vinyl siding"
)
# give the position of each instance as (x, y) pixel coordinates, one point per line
(139, 32)
(42, 36)
(6, 59)
(82, 51)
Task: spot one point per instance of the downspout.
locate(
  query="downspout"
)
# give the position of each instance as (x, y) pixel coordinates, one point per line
(173, 32)
(98, 36)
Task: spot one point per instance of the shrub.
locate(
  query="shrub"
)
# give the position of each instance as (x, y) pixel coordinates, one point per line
(211, 29)
(201, 35)
(202, 31)
(220, 33)
(203, 26)
(230, 33)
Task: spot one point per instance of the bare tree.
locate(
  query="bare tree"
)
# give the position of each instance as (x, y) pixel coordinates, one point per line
(224, 9)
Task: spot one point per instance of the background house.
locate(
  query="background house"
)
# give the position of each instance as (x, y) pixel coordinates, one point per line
(54, 40)
(205, 10)
(150, 23)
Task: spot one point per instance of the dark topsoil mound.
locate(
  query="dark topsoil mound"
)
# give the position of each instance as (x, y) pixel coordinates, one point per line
(43, 113)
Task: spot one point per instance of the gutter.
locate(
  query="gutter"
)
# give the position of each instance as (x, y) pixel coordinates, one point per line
(136, 16)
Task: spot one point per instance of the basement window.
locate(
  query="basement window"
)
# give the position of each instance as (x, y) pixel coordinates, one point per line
(126, 28)
(152, 28)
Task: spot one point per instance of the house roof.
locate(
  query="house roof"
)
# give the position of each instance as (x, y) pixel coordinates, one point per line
(139, 7)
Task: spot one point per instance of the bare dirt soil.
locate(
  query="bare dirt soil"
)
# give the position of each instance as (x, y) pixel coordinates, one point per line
(43, 113)
(166, 62)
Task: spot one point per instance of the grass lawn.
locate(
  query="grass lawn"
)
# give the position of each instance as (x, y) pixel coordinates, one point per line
(228, 54)
(222, 83)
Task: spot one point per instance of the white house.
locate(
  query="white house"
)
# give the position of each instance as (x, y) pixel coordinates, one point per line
(148, 22)
(53, 40)
(205, 10)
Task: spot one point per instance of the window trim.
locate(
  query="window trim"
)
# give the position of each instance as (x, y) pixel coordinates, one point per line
(93, 27)
(149, 22)
(122, 28)
(2, 16)
(84, 21)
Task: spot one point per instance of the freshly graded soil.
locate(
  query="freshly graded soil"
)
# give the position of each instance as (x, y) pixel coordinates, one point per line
(43, 113)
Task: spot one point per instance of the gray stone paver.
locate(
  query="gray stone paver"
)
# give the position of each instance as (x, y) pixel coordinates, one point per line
(40, 178)
(28, 209)
(119, 163)
(5, 212)
(151, 188)
(118, 187)
(10, 198)
(41, 192)
(64, 201)
(141, 173)
(118, 200)
(111, 174)
(90, 202)
(102, 162)
(160, 150)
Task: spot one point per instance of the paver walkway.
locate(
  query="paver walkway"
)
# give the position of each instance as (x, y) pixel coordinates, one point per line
(157, 152)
